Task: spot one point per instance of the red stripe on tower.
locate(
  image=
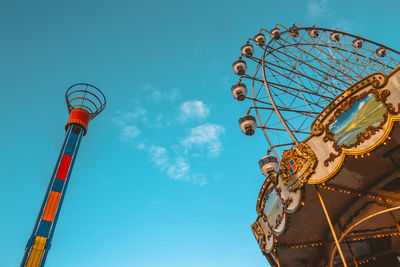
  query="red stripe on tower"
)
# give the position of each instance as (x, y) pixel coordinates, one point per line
(64, 167)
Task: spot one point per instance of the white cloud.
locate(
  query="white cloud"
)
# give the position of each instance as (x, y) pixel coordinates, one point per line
(199, 179)
(193, 110)
(141, 146)
(159, 157)
(323, 11)
(123, 119)
(126, 120)
(177, 169)
(206, 135)
(317, 8)
(151, 93)
(344, 24)
(129, 132)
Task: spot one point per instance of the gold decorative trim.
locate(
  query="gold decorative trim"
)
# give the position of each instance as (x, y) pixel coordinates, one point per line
(262, 237)
(259, 234)
(356, 153)
(272, 178)
(268, 186)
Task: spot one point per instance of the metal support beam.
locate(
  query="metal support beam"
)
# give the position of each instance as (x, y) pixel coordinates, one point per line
(331, 226)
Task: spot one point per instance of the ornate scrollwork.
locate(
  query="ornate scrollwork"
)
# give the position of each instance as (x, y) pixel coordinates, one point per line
(259, 234)
(378, 80)
(279, 218)
(317, 128)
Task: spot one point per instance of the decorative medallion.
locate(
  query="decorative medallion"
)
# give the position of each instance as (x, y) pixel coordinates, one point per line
(297, 165)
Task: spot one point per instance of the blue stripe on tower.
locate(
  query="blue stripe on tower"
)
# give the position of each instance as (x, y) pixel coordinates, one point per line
(44, 228)
(58, 185)
(69, 150)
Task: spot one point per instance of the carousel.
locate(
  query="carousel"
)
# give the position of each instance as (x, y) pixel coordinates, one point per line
(328, 104)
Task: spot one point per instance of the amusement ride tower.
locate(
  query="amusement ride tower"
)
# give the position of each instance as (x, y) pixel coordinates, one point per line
(84, 102)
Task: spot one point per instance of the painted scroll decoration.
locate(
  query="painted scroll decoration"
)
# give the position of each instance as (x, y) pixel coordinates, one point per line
(275, 202)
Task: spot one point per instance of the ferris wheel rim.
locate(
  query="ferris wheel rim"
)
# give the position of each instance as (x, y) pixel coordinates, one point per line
(344, 49)
(329, 30)
(274, 104)
(272, 147)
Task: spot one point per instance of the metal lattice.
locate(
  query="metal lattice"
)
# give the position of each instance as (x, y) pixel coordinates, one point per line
(299, 71)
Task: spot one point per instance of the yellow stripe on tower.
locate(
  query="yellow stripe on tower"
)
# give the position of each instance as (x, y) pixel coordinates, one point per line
(37, 250)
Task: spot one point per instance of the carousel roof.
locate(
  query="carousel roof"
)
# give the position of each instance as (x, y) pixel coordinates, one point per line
(345, 173)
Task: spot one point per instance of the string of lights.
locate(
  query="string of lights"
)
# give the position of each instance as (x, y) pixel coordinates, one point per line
(358, 193)
(355, 237)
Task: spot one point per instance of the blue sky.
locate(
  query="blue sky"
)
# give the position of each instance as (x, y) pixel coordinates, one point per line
(164, 176)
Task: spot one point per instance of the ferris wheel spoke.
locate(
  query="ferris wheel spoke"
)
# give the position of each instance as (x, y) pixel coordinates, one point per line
(294, 77)
(332, 72)
(308, 101)
(252, 78)
(304, 62)
(301, 112)
(299, 84)
(371, 59)
(353, 54)
(338, 62)
(284, 92)
(378, 59)
(261, 85)
(282, 130)
(255, 59)
(310, 54)
(392, 59)
(344, 69)
(300, 74)
(323, 87)
(304, 75)
(328, 46)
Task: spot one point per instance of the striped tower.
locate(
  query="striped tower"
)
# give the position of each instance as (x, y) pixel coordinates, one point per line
(84, 102)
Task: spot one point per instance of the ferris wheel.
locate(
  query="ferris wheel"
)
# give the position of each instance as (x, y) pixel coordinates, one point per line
(294, 73)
